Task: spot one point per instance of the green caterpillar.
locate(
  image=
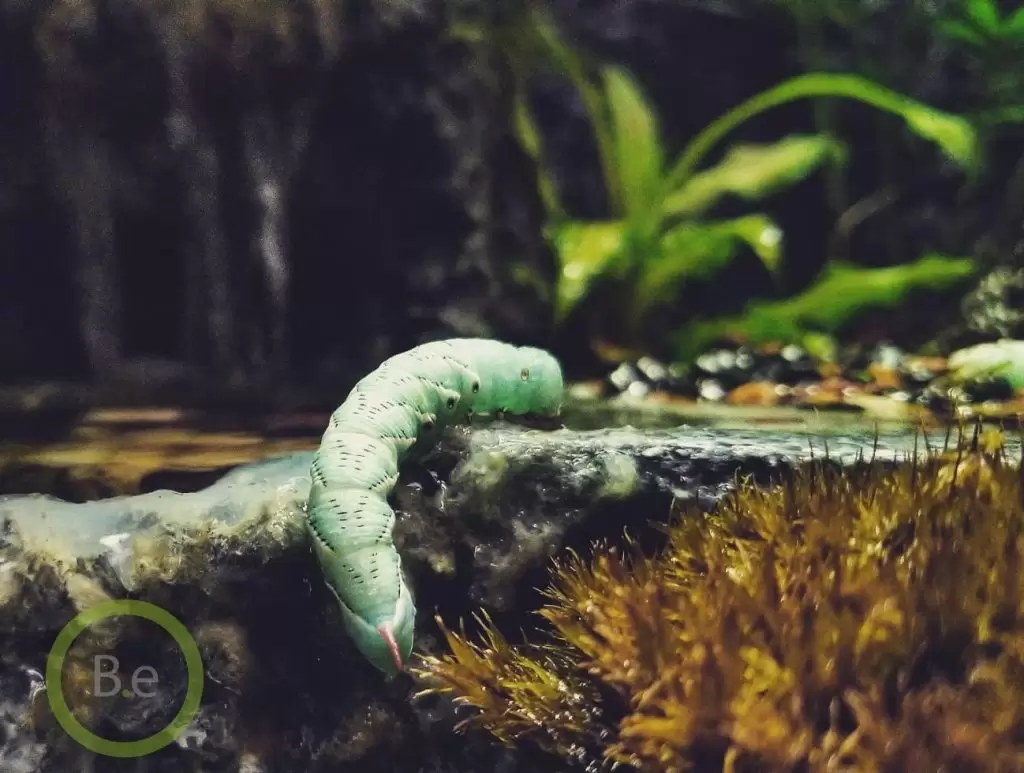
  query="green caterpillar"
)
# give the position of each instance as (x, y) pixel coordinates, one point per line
(395, 413)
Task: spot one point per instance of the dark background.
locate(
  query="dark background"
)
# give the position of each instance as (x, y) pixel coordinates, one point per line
(227, 193)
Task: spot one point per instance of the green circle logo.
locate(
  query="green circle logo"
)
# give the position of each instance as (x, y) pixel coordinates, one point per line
(119, 608)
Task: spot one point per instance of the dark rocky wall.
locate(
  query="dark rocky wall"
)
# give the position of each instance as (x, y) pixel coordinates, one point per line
(232, 192)
(251, 195)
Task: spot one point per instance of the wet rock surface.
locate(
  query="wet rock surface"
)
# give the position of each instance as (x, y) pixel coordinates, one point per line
(993, 309)
(283, 689)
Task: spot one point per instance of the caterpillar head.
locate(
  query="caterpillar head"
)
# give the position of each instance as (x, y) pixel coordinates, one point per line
(544, 390)
(385, 642)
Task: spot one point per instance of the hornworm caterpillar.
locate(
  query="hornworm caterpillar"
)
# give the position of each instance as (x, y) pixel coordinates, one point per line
(395, 413)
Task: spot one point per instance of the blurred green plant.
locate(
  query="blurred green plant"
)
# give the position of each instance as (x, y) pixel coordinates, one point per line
(995, 43)
(656, 239)
(980, 23)
(658, 235)
(841, 293)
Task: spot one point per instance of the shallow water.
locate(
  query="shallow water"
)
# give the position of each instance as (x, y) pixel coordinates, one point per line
(595, 414)
(108, 452)
(227, 468)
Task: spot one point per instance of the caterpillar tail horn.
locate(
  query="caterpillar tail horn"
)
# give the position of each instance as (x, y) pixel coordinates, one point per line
(387, 633)
(386, 642)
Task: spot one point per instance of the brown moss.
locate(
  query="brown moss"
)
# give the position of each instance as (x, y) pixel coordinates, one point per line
(866, 619)
(536, 690)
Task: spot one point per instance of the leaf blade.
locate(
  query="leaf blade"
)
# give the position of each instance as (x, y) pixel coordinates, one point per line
(842, 292)
(953, 133)
(754, 171)
(691, 251)
(586, 251)
(984, 13)
(638, 150)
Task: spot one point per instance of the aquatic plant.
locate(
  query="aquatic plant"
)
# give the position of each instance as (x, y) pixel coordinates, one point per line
(660, 234)
(866, 618)
(840, 293)
(994, 43)
(659, 237)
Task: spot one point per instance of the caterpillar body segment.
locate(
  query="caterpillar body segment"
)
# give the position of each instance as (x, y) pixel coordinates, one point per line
(390, 420)
(350, 519)
(396, 412)
(355, 461)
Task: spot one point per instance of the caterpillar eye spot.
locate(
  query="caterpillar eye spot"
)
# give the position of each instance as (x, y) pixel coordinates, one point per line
(451, 403)
(476, 387)
(525, 374)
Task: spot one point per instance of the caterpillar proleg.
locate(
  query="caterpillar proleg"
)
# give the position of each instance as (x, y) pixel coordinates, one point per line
(397, 412)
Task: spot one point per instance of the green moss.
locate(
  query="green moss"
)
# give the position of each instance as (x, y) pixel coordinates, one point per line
(866, 619)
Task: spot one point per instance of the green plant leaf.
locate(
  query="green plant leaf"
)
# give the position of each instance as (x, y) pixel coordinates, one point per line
(958, 30)
(952, 133)
(699, 251)
(585, 252)
(846, 290)
(565, 60)
(820, 346)
(984, 13)
(527, 39)
(754, 171)
(470, 33)
(1014, 26)
(638, 151)
(762, 235)
(841, 293)
(532, 143)
(526, 275)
